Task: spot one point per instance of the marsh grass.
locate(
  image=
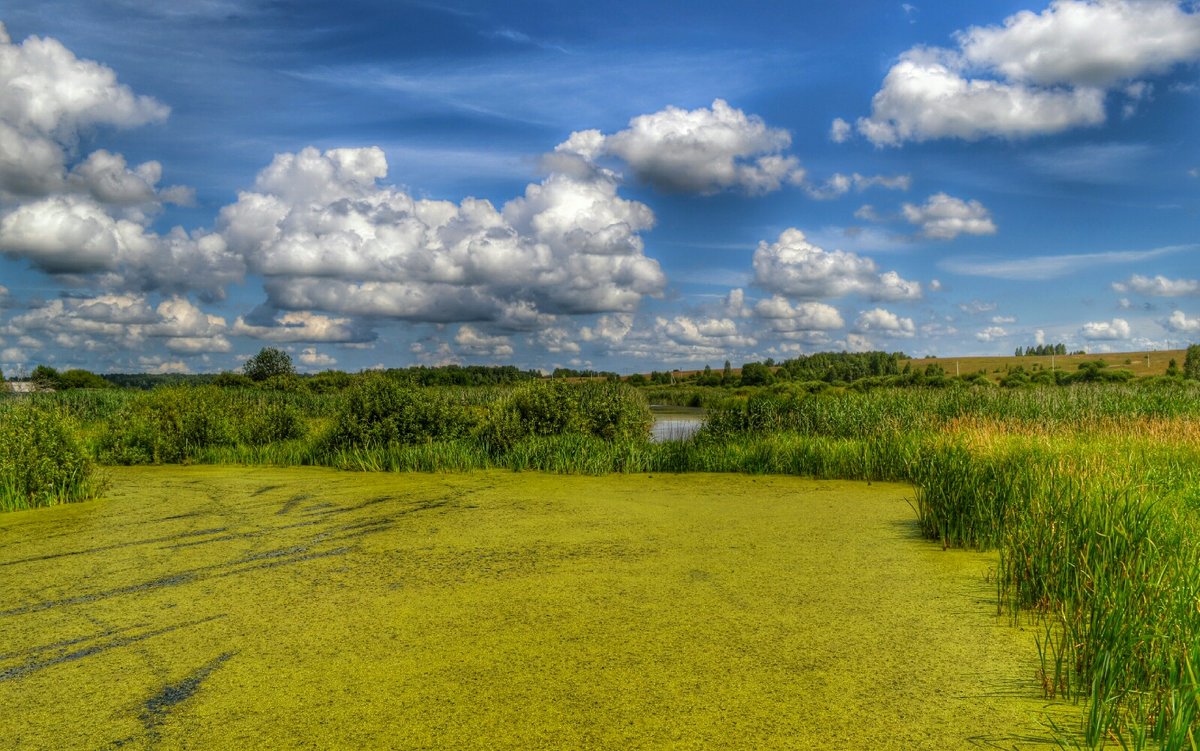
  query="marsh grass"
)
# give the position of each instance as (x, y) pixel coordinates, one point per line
(1097, 547)
(42, 462)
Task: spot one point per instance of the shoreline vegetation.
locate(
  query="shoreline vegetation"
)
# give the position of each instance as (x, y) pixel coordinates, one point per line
(1086, 483)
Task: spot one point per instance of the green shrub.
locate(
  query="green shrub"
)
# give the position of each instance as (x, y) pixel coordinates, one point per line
(232, 380)
(379, 410)
(613, 411)
(607, 410)
(268, 363)
(260, 421)
(165, 425)
(41, 460)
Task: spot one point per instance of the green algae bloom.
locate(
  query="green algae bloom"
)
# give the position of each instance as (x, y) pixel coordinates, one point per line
(219, 607)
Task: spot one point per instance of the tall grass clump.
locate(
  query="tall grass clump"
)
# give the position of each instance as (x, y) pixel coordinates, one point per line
(1100, 547)
(176, 423)
(42, 461)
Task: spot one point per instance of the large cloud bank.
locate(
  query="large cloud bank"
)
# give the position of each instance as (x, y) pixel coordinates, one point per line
(326, 235)
(1037, 73)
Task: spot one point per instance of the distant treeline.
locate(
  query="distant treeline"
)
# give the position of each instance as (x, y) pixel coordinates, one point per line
(607, 375)
(1045, 350)
(329, 380)
(841, 366)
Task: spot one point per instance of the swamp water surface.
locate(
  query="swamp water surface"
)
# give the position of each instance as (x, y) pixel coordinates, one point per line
(675, 423)
(216, 607)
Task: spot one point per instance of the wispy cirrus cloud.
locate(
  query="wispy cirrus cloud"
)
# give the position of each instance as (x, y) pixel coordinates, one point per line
(1052, 266)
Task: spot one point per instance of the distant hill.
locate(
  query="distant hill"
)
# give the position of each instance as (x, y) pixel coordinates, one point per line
(1139, 363)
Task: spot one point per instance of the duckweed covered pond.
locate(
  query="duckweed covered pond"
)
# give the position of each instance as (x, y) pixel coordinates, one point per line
(217, 607)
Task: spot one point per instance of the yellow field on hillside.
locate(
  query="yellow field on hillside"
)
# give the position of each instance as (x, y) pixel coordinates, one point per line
(1140, 363)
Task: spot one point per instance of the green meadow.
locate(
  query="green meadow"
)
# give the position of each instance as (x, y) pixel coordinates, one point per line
(213, 607)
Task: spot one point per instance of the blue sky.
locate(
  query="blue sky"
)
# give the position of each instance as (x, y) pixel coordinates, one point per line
(623, 186)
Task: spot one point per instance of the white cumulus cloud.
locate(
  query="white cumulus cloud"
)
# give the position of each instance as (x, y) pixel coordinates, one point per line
(794, 267)
(785, 318)
(1180, 322)
(115, 322)
(944, 217)
(472, 341)
(926, 96)
(1117, 328)
(1159, 286)
(328, 237)
(705, 150)
(313, 358)
(48, 97)
(302, 326)
(1037, 73)
(885, 322)
(991, 333)
(72, 234)
(1087, 42)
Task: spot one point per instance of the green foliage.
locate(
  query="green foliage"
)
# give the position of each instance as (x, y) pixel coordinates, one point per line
(260, 419)
(840, 366)
(380, 410)
(586, 373)
(329, 382)
(1098, 371)
(1095, 544)
(232, 380)
(81, 379)
(288, 382)
(1191, 363)
(757, 374)
(171, 425)
(165, 426)
(708, 378)
(270, 362)
(613, 411)
(1042, 350)
(460, 375)
(45, 377)
(606, 410)
(41, 460)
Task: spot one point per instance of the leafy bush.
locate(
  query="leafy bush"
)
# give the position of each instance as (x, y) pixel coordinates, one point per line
(41, 459)
(165, 425)
(81, 379)
(259, 421)
(1191, 362)
(268, 363)
(613, 411)
(608, 410)
(232, 380)
(379, 410)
